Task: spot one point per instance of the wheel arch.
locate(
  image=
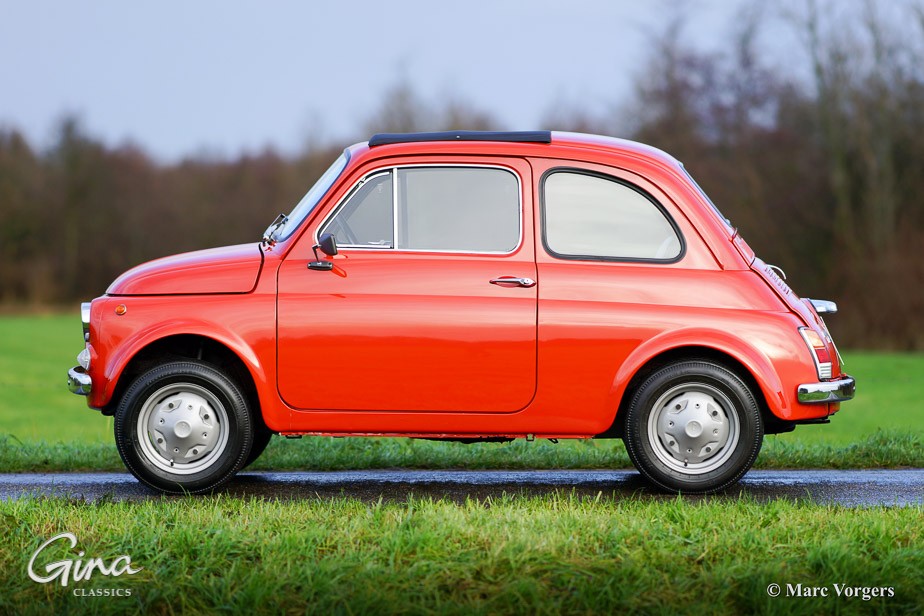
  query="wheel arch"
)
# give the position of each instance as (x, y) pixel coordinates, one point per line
(181, 346)
(754, 368)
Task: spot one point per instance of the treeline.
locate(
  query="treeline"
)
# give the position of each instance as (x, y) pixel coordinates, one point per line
(74, 217)
(820, 166)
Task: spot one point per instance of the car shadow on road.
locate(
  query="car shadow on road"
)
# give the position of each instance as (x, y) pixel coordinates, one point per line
(852, 488)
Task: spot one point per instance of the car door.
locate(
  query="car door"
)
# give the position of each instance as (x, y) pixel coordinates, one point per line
(431, 304)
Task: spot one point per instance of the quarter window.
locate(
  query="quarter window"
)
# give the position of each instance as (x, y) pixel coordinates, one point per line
(456, 209)
(596, 217)
(366, 219)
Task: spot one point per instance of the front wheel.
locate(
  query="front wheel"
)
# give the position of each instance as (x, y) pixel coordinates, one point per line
(183, 427)
(261, 438)
(693, 426)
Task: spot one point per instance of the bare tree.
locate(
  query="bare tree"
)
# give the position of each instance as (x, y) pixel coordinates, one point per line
(402, 110)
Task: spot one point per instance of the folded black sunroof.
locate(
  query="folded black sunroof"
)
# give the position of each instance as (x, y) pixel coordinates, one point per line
(523, 136)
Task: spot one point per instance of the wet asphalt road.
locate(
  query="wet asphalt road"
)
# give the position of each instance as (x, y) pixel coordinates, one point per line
(853, 488)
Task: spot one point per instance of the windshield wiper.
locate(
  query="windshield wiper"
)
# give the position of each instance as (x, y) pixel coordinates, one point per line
(269, 235)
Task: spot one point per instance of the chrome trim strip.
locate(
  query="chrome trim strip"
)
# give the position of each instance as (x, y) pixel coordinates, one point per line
(841, 390)
(777, 270)
(79, 382)
(394, 210)
(85, 319)
(394, 169)
(824, 306)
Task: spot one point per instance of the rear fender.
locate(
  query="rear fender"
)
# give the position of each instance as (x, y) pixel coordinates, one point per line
(756, 362)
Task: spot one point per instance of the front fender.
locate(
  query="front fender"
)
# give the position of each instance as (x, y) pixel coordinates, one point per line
(122, 338)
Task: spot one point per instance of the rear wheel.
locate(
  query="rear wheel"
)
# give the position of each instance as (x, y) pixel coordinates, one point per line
(693, 426)
(183, 427)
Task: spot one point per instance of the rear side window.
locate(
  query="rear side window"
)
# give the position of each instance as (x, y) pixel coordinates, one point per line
(443, 209)
(597, 217)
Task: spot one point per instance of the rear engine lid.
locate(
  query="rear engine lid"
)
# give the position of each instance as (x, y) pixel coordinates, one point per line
(802, 307)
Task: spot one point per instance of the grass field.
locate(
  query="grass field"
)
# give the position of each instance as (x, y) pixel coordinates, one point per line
(527, 555)
(557, 553)
(44, 427)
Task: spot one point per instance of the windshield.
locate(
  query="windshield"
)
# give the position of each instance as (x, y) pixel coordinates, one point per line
(287, 226)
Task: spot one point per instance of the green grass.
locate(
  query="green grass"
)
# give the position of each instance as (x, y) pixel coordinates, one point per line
(552, 554)
(890, 396)
(35, 355)
(557, 553)
(47, 428)
(881, 450)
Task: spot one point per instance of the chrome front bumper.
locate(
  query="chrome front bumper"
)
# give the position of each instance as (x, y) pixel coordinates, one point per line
(839, 390)
(79, 382)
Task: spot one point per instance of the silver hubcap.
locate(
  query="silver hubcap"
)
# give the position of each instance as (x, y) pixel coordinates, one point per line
(182, 428)
(693, 428)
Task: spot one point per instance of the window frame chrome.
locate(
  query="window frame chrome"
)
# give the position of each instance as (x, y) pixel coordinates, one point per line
(393, 169)
(601, 258)
(346, 198)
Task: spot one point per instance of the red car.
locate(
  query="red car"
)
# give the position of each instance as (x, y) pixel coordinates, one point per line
(471, 286)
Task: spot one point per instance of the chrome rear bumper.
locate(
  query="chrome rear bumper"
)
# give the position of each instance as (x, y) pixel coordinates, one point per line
(838, 390)
(79, 382)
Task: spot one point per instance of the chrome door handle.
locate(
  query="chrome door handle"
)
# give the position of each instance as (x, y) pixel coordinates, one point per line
(520, 282)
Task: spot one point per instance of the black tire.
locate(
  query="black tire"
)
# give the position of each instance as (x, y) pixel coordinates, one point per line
(261, 439)
(693, 426)
(183, 427)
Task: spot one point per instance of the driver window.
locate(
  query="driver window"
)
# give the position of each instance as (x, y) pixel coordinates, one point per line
(367, 217)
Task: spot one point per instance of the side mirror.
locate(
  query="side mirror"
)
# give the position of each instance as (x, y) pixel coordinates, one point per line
(328, 245)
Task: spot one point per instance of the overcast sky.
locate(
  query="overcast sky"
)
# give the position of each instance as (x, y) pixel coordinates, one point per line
(219, 77)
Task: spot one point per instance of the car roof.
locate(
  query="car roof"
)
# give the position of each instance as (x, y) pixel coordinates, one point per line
(652, 163)
(531, 142)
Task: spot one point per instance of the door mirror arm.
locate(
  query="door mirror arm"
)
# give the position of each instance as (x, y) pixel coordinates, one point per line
(328, 245)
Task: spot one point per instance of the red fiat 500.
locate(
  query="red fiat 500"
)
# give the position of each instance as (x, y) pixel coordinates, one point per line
(467, 286)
